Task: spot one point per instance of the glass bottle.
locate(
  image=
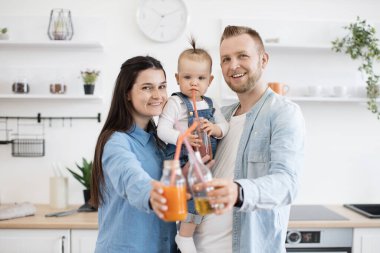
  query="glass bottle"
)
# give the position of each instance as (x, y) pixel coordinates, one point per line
(198, 175)
(174, 191)
(205, 148)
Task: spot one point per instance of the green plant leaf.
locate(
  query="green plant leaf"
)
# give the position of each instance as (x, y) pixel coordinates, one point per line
(86, 170)
(361, 44)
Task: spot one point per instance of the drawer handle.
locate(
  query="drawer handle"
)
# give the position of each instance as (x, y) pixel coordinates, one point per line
(63, 244)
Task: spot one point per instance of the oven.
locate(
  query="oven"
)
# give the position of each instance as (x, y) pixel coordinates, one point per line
(328, 240)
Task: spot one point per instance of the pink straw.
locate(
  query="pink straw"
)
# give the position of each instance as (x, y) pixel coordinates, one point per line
(190, 151)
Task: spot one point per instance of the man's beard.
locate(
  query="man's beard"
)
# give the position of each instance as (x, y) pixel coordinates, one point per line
(248, 86)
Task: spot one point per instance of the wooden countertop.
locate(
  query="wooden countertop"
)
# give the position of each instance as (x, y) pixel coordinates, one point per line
(355, 220)
(82, 220)
(90, 220)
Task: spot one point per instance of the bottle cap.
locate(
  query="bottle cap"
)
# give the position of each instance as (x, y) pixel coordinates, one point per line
(171, 164)
(198, 155)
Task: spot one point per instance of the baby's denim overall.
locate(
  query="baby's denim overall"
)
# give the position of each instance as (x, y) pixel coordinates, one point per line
(183, 158)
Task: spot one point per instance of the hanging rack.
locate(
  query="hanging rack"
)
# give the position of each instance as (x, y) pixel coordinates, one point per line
(39, 118)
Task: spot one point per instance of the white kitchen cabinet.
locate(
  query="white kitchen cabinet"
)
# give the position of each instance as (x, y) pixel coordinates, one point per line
(366, 240)
(35, 240)
(48, 240)
(83, 240)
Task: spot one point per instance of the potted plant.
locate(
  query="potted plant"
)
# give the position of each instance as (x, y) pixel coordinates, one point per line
(361, 43)
(4, 33)
(84, 177)
(89, 78)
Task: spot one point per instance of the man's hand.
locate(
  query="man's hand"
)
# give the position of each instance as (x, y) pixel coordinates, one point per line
(224, 195)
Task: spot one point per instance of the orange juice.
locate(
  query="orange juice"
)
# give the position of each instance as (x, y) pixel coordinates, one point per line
(176, 202)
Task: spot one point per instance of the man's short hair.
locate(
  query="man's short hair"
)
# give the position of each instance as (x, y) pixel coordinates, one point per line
(232, 31)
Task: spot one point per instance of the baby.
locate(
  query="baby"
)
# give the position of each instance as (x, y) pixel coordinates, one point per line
(194, 74)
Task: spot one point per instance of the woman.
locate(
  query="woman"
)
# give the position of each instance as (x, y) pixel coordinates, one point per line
(128, 157)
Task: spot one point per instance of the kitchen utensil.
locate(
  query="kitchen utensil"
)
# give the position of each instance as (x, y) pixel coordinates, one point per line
(28, 147)
(314, 90)
(368, 210)
(279, 88)
(58, 192)
(57, 88)
(25, 147)
(20, 87)
(61, 214)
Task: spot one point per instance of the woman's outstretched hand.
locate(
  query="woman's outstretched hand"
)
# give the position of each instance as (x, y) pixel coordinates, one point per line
(157, 200)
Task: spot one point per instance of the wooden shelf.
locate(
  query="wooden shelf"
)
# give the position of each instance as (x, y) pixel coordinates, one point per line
(48, 97)
(62, 44)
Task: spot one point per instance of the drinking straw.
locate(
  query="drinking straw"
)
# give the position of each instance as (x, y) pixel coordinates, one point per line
(190, 151)
(195, 104)
(178, 148)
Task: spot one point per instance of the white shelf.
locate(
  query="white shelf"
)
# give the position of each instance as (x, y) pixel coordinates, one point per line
(48, 97)
(52, 44)
(316, 99)
(328, 99)
(296, 46)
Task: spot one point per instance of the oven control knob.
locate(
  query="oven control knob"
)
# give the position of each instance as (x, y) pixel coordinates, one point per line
(293, 237)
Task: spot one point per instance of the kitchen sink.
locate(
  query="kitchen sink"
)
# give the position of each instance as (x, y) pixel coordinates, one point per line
(368, 210)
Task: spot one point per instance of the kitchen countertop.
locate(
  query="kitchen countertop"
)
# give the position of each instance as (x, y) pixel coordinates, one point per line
(354, 220)
(89, 220)
(82, 220)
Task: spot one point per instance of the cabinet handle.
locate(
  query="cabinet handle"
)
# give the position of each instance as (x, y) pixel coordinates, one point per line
(63, 244)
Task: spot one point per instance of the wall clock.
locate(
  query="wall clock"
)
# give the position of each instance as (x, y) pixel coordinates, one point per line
(162, 20)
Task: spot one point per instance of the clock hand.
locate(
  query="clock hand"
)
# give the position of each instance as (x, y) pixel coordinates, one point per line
(155, 11)
(157, 25)
(170, 13)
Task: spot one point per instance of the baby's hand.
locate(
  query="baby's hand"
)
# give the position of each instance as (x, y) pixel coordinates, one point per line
(211, 129)
(194, 140)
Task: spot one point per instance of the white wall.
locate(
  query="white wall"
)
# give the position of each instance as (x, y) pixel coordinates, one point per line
(342, 162)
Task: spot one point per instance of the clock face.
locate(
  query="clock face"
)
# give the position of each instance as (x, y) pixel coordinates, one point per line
(162, 20)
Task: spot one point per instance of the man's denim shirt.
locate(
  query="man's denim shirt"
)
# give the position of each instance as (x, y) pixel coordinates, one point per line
(267, 165)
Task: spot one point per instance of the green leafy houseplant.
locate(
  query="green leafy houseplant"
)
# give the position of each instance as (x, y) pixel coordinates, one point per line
(84, 177)
(4, 33)
(89, 76)
(361, 43)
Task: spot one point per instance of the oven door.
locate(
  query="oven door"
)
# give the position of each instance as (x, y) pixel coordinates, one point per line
(318, 250)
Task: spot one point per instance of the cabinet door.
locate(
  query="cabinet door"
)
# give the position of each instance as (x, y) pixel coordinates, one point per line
(366, 240)
(83, 240)
(34, 240)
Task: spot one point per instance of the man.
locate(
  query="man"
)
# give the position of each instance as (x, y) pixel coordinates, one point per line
(257, 163)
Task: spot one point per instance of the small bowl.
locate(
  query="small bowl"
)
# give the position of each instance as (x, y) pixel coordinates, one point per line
(57, 88)
(20, 87)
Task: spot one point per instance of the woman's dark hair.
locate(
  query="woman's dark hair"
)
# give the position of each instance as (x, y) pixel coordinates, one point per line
(119, 118)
